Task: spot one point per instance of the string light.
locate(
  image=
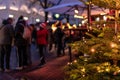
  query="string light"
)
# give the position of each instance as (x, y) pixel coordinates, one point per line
(69, 63)
(83, 75)
(113, 45)
(75, 61)
(93, 50)
(107, 69)
(85, 59)
(119, 40)
(83, 69)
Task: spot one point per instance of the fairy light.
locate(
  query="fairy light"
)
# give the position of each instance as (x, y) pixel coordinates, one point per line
(83, 38)
(75, 61)
(118, 71)
(74, 26)
(106, 64)
(69, 63)
(83, 75)
(98, 68)
(113, 45)
(90, 28)
(93, 50)
(107, 69)
(119, 40)
(80, 24)
(97, 19)
(83, 69)
(85, 59)
(104, 18)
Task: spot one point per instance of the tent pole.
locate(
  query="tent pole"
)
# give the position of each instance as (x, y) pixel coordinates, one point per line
(68, 18)
(46, 13)
(89, 13)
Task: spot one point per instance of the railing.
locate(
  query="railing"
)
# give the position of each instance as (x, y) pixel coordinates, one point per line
(107, 23)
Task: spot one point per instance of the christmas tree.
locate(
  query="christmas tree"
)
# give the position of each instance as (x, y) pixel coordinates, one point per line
(98, 56)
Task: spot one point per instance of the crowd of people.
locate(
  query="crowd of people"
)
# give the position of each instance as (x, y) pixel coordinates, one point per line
(22, 35)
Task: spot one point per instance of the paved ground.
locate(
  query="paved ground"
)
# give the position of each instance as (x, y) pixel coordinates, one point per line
(52, 70)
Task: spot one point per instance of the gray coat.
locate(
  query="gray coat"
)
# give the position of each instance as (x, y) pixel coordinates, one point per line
(6, 34)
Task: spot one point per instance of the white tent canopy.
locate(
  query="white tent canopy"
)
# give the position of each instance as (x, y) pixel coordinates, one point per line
(63, 1)
(68, 8)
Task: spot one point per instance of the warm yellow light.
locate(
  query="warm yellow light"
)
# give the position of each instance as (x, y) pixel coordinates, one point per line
(118, 71)
(104, 25)
(83, 69)
(112, 45)
(80, 24)
(68, 63)
(107, 69)
(75, 61)
(83, 22)
(74, 26)
(77, 16)
(103, 13)
(98, 68)
(97, 19)
(53, 27)
(69, 26)
(83, 75)
(104, 18)
(85, 59)
(90, 28)
(92, 50)
(106, 63)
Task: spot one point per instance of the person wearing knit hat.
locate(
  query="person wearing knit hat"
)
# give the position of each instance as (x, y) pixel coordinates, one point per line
(42, 36)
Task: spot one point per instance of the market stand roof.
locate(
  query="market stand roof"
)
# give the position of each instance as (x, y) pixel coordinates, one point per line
(68, 7)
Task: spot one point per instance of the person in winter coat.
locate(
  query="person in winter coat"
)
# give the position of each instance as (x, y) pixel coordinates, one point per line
(6, 38)
(28, 36)
(58, 34)
(21, 43)
(42, 35)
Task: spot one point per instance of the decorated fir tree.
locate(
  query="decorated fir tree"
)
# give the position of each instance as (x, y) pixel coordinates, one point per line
(98, 57)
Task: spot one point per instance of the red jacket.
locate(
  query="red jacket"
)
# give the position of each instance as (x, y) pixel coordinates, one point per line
(42, 37)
